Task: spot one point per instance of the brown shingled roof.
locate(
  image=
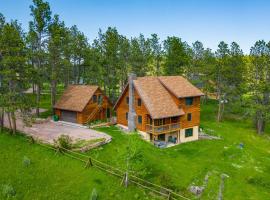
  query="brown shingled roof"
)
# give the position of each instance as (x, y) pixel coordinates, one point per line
(156, 98)
(76, 97)
(179, 86)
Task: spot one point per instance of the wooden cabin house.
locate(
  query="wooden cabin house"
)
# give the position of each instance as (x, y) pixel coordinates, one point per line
(166, 108)
(83, 103)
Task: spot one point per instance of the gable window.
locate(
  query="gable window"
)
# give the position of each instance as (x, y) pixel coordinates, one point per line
(189, 132)
(126, 116)
(139, 102)
(139, 119)
(127, 100)
(189, 101)
(189, 116)
(100, 99)
(94, 98)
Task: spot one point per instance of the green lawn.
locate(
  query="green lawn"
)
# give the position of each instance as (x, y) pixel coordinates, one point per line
(53, 176)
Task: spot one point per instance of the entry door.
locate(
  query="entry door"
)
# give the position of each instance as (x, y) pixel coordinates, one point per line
(68, 116)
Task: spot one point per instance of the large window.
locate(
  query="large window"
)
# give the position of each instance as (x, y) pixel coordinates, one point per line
(127, 100)
(139, 119)
(189, 101)
(189, 132)
(139, 102)
(189, 116)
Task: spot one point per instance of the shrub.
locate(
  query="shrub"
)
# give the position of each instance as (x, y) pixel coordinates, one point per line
(26, 161)
(94, 195)
(8, 191)
(64, 141)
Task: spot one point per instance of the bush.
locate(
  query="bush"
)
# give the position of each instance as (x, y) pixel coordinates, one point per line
(8, 191)
(26, 161)
(64, 141)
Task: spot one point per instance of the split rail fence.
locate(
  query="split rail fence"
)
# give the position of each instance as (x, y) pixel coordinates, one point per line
(91, 162)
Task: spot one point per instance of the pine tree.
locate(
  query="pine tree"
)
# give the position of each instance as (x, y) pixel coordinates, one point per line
(14, 71)
(38, 32)
(176, 56)
(259, 84)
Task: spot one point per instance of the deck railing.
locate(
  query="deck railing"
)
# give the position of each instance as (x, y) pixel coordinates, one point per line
(162, 128)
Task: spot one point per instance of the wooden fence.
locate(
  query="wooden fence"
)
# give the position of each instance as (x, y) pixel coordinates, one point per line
(91, 162)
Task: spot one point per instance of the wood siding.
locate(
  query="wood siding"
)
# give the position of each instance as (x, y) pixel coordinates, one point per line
(90, 107)
(194, 109)
(122, 109)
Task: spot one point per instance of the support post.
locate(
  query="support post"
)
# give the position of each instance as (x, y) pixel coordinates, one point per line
(89, 163)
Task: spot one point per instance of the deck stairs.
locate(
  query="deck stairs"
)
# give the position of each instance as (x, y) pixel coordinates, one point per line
(93, 114)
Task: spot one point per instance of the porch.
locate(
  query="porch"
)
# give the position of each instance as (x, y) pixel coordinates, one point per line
(162, 126)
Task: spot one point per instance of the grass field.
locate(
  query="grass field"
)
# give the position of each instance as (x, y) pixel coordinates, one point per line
(51, 176)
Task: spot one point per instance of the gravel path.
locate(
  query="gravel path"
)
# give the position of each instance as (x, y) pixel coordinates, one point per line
(48, 131)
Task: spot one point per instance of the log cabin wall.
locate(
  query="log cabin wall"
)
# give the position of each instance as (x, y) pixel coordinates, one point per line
(194, 109)
(122, 109)
(91, 106)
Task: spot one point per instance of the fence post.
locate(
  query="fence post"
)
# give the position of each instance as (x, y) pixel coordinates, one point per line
(169, 196)
(89, 163)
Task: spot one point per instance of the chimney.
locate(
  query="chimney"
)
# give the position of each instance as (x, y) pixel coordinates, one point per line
(131, 112)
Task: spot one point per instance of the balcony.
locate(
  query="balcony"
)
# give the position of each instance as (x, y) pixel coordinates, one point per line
(162, 128)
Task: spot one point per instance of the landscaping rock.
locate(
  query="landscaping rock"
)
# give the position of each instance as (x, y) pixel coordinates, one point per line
(197, 190)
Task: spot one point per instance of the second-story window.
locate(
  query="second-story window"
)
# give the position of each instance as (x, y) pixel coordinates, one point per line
(189, 101)
(189, 116)
(100, 99)
(127, 100)
(139, 102)
(94, 98)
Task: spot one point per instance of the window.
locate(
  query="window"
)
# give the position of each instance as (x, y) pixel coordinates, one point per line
(139, 119)
(100, 98)
(94, 98)
(127, 100)
(189, 101)
(189, 117)
(189, 132)
(126, 116)
(139, 102)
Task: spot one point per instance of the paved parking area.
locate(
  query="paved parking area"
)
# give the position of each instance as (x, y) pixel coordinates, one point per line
(48, 131)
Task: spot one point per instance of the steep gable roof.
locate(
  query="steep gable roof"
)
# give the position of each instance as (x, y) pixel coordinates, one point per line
(76, 97)
(180, 86)
(156, 98)
(155, 94)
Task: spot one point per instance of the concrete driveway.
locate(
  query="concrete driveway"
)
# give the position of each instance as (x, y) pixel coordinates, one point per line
(48, 130)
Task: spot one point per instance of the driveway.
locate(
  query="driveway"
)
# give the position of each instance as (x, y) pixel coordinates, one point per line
(48, 130)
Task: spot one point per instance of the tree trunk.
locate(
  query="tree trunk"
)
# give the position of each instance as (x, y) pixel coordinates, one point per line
(53, 92)
(9, 122)
(37, 99)
(13, 117)
(219, 115)
(2, 120)
(259, 122)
